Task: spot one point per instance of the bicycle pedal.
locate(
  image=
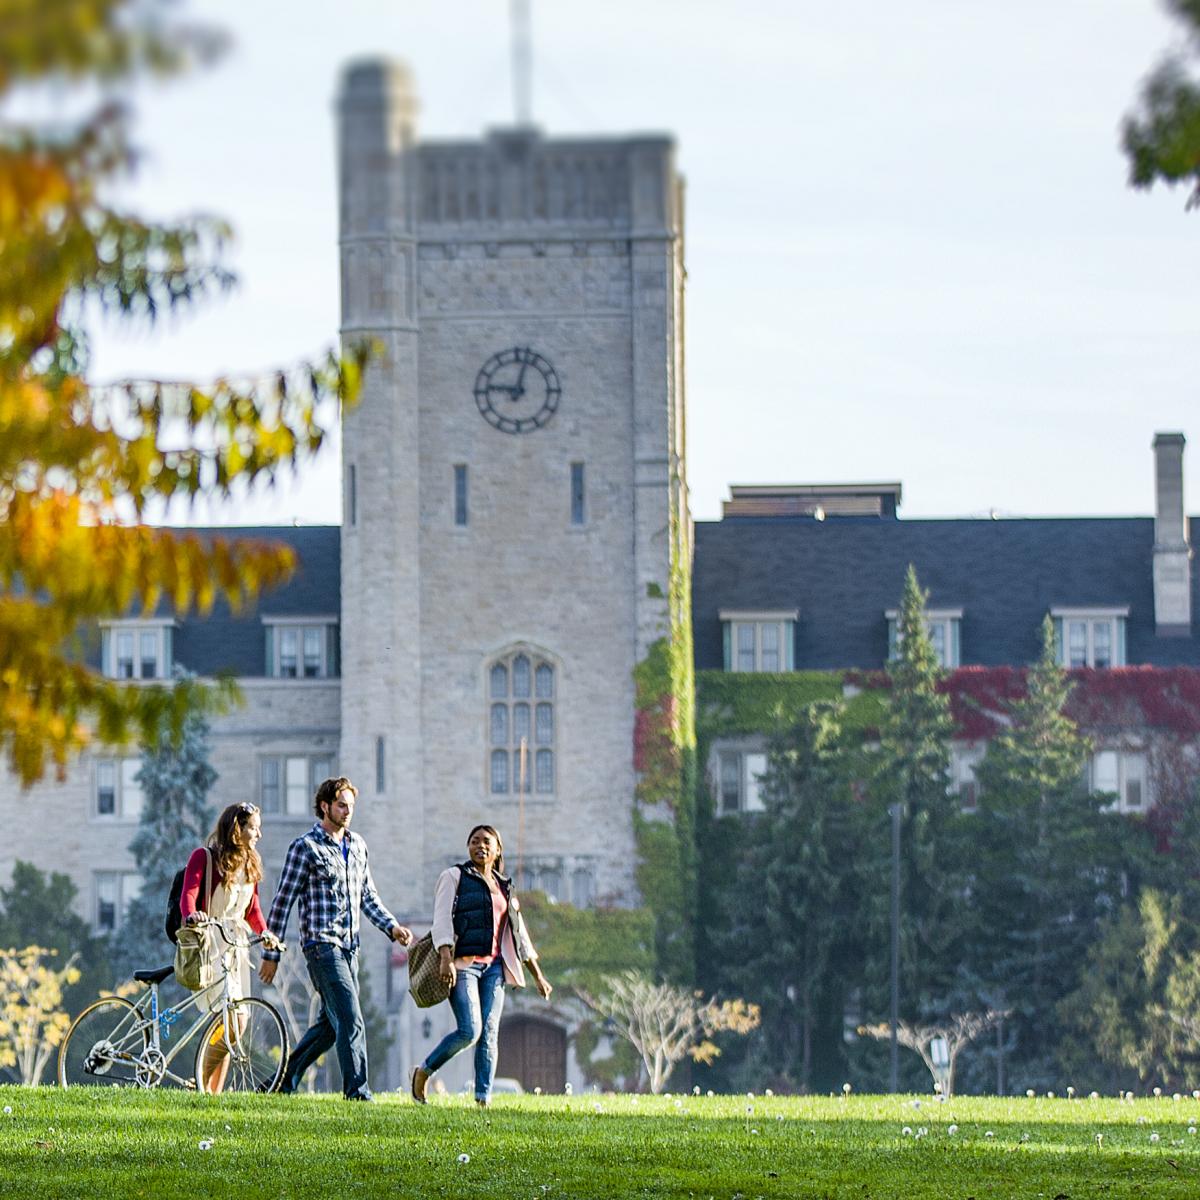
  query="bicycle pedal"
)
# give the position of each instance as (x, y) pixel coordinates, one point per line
(190, 1085)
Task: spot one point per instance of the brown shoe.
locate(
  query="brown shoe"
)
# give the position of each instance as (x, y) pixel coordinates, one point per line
(418, 1080)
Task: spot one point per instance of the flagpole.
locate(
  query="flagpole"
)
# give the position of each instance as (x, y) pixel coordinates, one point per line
(522, 769)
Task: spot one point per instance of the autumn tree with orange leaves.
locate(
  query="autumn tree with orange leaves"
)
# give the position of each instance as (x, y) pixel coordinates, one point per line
(80, 464)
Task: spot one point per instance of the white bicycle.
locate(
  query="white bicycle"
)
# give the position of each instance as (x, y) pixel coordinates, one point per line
(124, 1043)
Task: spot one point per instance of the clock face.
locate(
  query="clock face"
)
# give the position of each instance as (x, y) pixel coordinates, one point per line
(517, 390)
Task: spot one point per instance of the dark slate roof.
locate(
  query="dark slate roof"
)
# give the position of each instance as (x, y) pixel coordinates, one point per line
(222, 641)
(844, 573)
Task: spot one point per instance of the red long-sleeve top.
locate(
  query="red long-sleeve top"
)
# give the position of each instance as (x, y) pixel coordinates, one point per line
(192, 898)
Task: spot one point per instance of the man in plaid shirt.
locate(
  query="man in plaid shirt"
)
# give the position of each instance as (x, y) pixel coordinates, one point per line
(327, 871)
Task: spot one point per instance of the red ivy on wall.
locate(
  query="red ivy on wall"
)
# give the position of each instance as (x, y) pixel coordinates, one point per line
(656, 754)
(1164, 698)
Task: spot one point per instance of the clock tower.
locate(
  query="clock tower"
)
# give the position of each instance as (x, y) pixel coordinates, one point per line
(513, 472)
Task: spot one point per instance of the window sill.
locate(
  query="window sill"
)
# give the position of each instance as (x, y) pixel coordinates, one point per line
(287, 680)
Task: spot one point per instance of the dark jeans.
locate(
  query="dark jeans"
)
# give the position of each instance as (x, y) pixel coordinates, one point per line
(334, 975)
(477, 1000)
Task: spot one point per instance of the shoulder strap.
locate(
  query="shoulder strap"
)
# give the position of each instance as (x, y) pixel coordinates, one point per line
(207, 879)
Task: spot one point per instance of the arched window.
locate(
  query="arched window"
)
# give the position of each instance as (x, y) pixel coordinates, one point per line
(521, 725)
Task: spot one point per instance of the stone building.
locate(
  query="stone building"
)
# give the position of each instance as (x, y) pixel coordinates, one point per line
(510, 475)
(463, 647)
(514, 535)
(805, 581)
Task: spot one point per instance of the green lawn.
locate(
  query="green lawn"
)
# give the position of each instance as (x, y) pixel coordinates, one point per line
(106, 1143)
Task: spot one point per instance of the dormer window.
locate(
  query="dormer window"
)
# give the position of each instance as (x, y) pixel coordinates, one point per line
(301, 647)
(1090, 637)
(944, 626)
(136, 649)
(762, 640)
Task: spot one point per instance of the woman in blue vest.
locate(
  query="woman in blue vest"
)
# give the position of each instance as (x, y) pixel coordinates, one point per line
(482, 944)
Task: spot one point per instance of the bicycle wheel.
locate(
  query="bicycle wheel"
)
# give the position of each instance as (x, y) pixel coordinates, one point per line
(104, 1046)
(251, 1057)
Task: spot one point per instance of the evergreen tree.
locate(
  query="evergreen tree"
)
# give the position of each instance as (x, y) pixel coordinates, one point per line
(39, 910)
(912, 771)
(1121, 1024)
(176, 777)
(1052, 865)
(1132, 1020)
(785, 928)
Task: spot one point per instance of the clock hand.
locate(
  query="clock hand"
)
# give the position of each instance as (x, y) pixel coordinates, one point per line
(519, 390)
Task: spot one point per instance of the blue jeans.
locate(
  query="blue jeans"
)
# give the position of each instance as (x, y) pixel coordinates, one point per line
(477, 999)
(334, 975)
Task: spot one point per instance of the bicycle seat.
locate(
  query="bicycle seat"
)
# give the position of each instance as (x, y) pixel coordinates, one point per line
(157, 975)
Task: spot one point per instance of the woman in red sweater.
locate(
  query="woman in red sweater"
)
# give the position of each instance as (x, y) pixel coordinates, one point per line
(236, 872)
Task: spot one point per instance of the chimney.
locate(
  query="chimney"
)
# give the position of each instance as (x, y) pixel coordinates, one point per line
(1172, 553)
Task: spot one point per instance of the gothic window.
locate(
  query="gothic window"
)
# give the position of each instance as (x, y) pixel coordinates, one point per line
(550, 881)
(582, 887)
(499, 772)
(521, 726)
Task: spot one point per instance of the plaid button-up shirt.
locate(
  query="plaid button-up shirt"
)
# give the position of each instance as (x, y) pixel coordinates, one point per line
(330, 888)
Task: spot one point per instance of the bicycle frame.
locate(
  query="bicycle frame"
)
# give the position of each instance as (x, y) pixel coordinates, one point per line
(149, 1021)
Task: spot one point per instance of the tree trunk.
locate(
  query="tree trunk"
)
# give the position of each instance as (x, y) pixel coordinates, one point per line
(806, 1044)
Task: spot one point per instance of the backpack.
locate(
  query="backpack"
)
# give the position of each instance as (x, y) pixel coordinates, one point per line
(174, 915)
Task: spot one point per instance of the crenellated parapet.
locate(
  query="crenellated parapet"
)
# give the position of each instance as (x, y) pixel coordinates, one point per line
(516, 180)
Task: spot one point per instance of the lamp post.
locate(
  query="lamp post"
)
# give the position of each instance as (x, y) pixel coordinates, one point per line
(894, 811)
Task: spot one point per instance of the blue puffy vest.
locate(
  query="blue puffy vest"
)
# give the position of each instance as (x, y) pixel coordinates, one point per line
(473, 930)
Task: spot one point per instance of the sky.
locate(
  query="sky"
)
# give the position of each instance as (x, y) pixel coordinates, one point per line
(912, 252)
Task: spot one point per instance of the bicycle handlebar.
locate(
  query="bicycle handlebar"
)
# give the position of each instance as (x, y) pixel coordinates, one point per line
(257, 940)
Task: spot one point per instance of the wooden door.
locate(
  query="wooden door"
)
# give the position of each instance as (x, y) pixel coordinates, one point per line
(535, 1052)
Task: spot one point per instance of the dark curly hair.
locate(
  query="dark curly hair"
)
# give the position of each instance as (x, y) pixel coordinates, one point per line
(327, 793)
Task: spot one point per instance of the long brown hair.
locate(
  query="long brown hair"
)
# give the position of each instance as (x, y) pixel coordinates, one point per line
(229, 844)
